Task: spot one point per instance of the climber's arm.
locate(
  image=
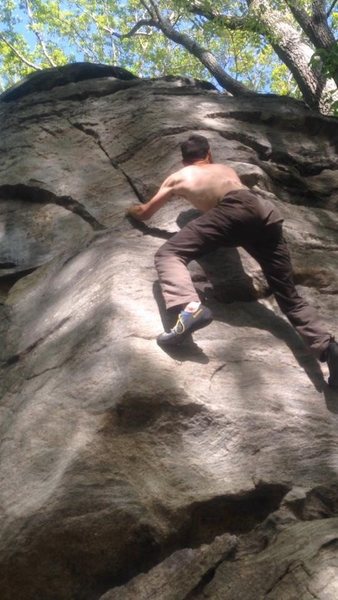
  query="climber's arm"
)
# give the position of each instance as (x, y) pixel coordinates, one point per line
(142, 212)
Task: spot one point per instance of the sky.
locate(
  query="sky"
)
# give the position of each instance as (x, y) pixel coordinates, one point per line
(22, 27)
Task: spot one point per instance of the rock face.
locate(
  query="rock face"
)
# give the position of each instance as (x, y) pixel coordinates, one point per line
(128, 472)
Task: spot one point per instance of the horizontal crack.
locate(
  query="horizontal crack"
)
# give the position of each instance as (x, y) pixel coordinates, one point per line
(201, 523)
(305, 168)
(15, 358)
(9, 279)
(235, 513)
(37, 194)
(148, 230)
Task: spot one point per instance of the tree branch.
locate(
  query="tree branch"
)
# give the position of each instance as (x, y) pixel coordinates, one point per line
(233, 23)
(197, 9)
(331, 8)
(19, 55)
(299, 14)
(318, 11)
(155, 9)
(316, 27)
(38, 35)
(204, 56)
(289, 45)
(285, 39)
(137, 26)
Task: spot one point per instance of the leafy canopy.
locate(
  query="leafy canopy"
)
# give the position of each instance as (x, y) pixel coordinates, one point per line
(35, 34)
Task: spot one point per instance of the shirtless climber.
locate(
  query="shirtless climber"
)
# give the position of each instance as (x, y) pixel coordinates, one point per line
(233, 216)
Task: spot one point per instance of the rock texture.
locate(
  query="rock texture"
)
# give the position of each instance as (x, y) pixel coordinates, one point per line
(128, 472)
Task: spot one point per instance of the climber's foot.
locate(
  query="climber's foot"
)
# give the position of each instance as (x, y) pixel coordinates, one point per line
(187, 323)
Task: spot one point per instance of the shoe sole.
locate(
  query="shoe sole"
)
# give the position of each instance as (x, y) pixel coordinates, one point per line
(176, 341)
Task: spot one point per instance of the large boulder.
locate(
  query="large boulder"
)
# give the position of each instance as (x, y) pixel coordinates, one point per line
(128, 472)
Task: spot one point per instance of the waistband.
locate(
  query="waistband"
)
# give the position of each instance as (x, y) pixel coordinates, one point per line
(237, 192)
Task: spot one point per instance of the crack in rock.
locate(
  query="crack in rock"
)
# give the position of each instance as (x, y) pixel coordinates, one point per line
(209, 524)
(277, 156)
(48, 369)
(319, 502)
(149, 230)
(7, 280)
(291, 567)
(96, 137)
(145, 229)
(128, 154)
(219, 368)
(15, 358)
(33, 193)
(178, 576)
(235, 513)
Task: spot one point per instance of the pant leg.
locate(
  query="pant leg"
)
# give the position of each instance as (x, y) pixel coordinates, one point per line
(272, 254)
(204, 234)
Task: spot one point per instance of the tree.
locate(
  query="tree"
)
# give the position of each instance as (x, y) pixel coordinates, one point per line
(244, 46)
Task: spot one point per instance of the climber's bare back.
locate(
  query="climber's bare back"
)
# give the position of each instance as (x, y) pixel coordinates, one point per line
(204, 185)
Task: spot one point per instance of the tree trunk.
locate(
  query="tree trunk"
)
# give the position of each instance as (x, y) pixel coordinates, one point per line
(288, 45)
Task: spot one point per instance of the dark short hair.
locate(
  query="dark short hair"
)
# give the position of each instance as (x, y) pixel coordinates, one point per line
(195, 147)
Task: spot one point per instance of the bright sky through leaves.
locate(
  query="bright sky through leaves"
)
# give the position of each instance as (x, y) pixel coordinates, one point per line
(39, 34)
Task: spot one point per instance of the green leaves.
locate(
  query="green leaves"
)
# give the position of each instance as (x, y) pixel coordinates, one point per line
(37, 33)
(326, 60)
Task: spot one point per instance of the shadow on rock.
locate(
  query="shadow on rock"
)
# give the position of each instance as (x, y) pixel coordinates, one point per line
(258, 316)
(188, 350)
(331, 398)
(221, 297)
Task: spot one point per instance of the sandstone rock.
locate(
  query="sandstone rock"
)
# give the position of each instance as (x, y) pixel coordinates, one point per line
(178, 575)
(33, 233)
(60, 76)
(301, 563)
(116, 455)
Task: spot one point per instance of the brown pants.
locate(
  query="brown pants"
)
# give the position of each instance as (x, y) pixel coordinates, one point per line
(239, 220)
